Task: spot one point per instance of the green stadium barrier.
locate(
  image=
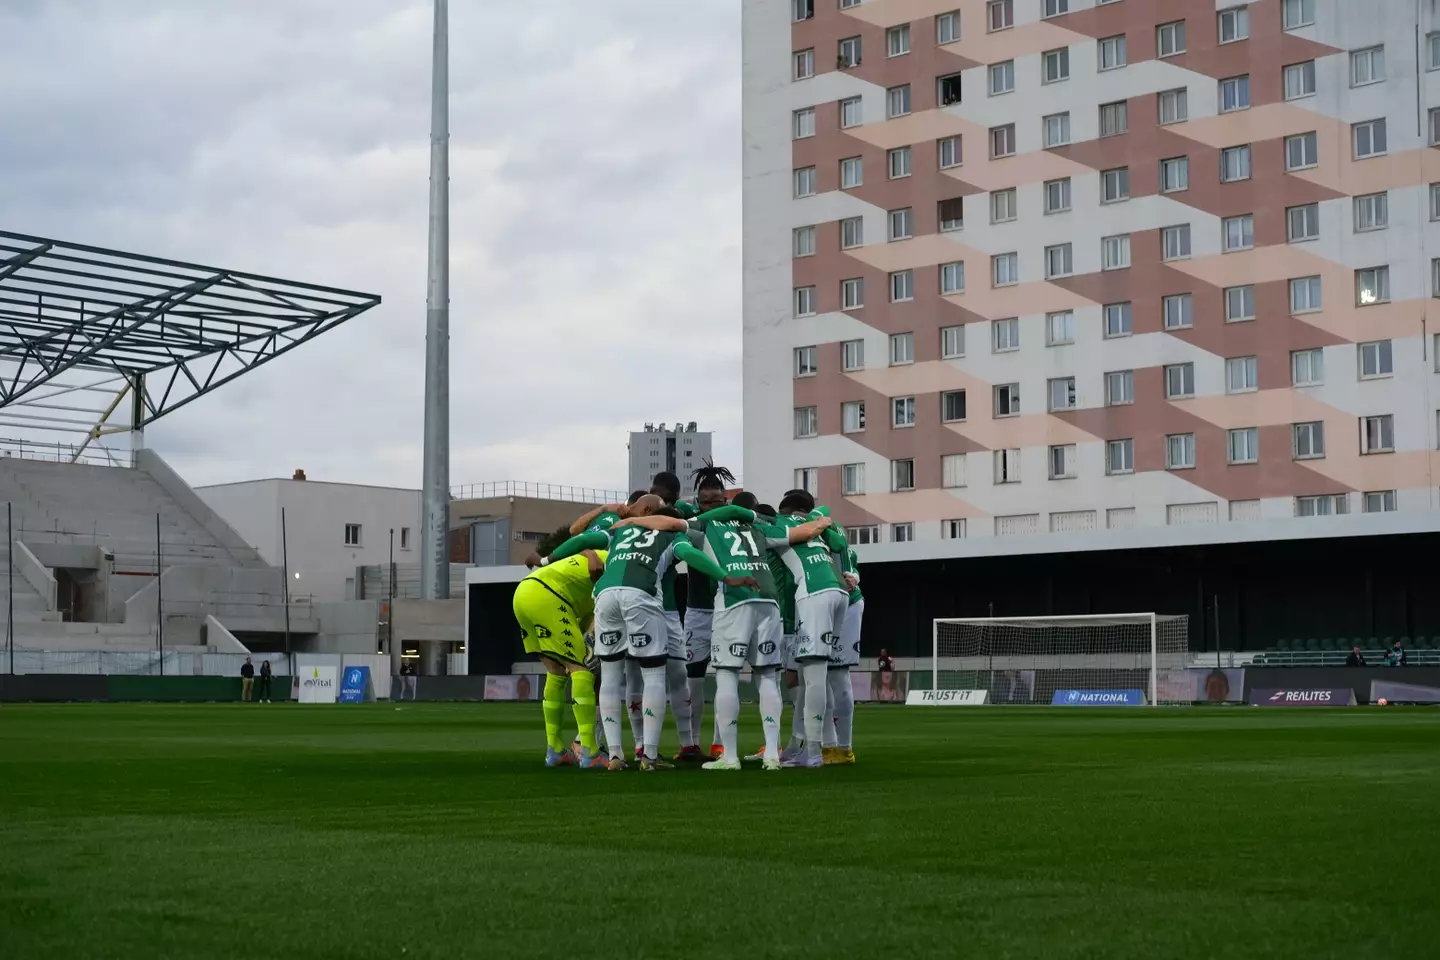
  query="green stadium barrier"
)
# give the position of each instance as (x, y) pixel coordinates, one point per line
(188, 689)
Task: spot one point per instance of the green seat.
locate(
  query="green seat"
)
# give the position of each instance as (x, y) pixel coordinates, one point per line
(1281, 644)
(1312, 645)
(1328, 644)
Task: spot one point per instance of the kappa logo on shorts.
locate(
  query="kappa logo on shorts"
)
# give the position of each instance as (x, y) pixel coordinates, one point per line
(610, 638)
(542, 632)
(739, 649)
(639, 639)
(768, 647)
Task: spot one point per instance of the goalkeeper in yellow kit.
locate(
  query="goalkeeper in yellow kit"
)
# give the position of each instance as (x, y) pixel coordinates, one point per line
(554, 606)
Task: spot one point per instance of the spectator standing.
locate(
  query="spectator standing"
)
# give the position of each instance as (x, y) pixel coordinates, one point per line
(1356, 658)
(265, 676)
(247, 680)
(1395, 656)
(886, 664)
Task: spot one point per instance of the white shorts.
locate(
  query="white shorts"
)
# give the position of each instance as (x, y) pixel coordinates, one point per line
(697, 635)
(848, 653)
(748, 633)
(674, 636)
(787, 650)
(630, 621)
(818, 621)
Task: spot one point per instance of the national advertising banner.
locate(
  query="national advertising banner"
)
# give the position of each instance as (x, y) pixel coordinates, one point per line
(317, 685)
(1098, 698)
(356, 688)
(945, 698)
(1329, 697)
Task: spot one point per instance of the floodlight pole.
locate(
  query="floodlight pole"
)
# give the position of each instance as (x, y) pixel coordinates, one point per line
(435, 558)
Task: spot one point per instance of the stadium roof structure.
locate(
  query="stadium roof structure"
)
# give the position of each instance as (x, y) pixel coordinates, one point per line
(163, 331)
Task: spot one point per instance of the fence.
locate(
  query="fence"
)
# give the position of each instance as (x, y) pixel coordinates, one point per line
(537, 491)
(139, 663)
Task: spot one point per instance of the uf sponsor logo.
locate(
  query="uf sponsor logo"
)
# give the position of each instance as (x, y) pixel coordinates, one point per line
(610, 638)
(768, 647)
(638, 640)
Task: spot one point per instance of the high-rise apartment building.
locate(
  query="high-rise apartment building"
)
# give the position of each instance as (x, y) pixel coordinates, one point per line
(1053, 266)
(680, 449)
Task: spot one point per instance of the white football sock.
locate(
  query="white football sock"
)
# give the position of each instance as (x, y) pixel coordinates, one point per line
(727, 710)
(675, 683)
(634, 696)
(843, 693)
(697, 706)
(813, 673)
(653, 703)
(770, 705)
(827, 737)
(611, 700)
(797, 713)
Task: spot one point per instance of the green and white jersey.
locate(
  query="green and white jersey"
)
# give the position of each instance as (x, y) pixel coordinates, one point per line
(740, 552)
(851, 564)
(699, 589)
(603, 522)
(638, 558)
(686, 509)
(810, 563)
(667, 590)
(784, 590)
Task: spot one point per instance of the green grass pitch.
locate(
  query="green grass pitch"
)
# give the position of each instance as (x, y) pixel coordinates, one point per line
(432, 830)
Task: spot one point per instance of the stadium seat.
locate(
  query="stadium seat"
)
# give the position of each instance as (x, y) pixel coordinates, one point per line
(1312, 645)
(1281, 644)
(1405, 642)
(1327, 644)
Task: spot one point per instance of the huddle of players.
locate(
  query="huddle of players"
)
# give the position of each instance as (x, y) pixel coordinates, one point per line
(766, 589)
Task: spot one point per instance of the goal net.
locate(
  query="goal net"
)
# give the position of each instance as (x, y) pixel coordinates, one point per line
(1027, 659)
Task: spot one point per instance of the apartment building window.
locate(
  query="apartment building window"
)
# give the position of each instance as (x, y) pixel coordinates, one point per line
(1062, 461)
(852, 480)
(1007, 400)
(1057, 195)
(1113, 119)
(1057, 129)
(852, 355)
(1377, 434)
(1003, 205)
(951, 154)
(952, 278)
(1174, 106)
(1053, 8)
(1307, 440)
(1055, 65)
(1170, 38)
(1239, 232)
(902, 349)
(804, 182)
(1112, 52)
(802, 10)
(852, 112)
(1239, 303)
(1115, 185)
(804, 238)
(899, 159)
(1244, 445)
(806, 362)
(1300, 80)
(1175, 242)
(948, 89)
(1379, 501)
(804, 123)
(859, 536)
(1117, 319)
(804, 301)
(1307, 367)
(1302, 151)
(1002, 77)
(352, 534)
(1372, 212)
(1007, 465)
(1115, 252)
(852, 233)
(1434, 126)
(1234, 24)
(807, 422)
(1235, 94)
(1367, 66)
(1002, 141)
(1180, 451)
(1000, 14)
(902, 224)
(947, 27)
(1062, 393)
(1119, 388)
(1006, 334)
(1372, 285)
(1435, 201)
(897, 101)
(1435, 277)
(1297, 13)
(1242, 375)
(852, 416)
(952, 342)
(1005, 269)
(1329, 505)
(1369, 138)
(1302, 223)
(902, 286)
(951, 214)
(846, 4)
(849, 53)
(952, 529)
(902, 475)
(1178, 311)
(804, 64)
(1059, 261)
(1432, 51)
(902, 411)
(808, 479)
(1179, 381)
(852, 172)
(1174, 174)
(897, 40)
(952, 406)
(1119, 457)
(852, 293)
(1376, 359)
(1305, 295)
(902, 532)
(1235, 163)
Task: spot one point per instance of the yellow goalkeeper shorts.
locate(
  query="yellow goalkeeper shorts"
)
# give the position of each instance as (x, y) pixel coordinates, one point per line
(549, 625)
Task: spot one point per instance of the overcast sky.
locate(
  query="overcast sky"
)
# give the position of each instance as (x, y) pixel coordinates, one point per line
(595, 213)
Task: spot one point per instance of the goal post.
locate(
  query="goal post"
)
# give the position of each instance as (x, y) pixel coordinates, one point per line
(1028, 659)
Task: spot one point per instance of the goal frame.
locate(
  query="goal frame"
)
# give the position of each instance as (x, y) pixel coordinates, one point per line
(1139, 618)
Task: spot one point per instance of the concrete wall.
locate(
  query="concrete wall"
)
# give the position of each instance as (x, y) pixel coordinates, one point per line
(527, 516)
(187, 498)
